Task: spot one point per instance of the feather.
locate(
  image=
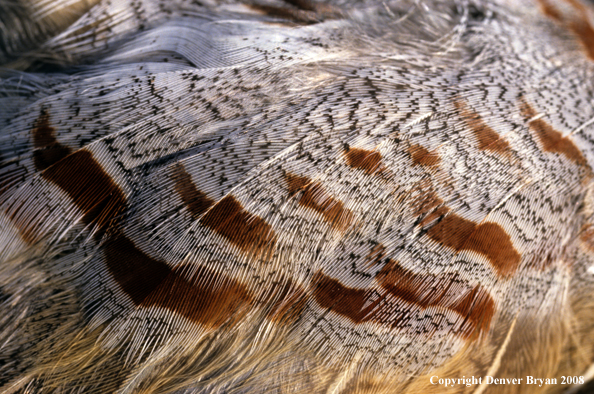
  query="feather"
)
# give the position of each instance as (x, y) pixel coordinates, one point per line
(295, 196)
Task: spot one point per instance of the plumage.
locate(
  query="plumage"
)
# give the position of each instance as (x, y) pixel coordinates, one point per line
(293, 196)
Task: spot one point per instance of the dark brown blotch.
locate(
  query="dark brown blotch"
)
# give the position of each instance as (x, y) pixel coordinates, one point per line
(247, 231)
(315, 197)
(47, 149)
(584, 31)
(488, 239)
(577, 22)
(421, 156)
(137, 274)
(452, 231)
(488, 139)
(205, 297)
(475, 306)
(550, 139)
(581, 27)
(492, 241)
(195, 200)
(296, 183)
(329, 293)
(366, 160)
(78, 174)
(478, 309)
(410, 287)
(549, 10)
(289, 14)
(305, 11)
(91, 189)
(587, 237)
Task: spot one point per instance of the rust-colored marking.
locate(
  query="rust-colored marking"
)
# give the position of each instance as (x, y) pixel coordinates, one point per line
(207, 298)
(307, 12)
(317, 7)
(550, 139)
(411, 287)
(78, 174)
(91, 189)
(248, 232)
(550, 11)
(478, 308)
(421, 156)
(137, 274)
(488, 139)
(47, 149)
(195, 201)
(293, 15)
(581, 27)
(296, 183)
(584, 31)
(475, 306)
(368, 161)
(453, 231)
(578, 23)
(148, 282)
(587, 237)
(314, 197)
(330, 293)
(488, 239)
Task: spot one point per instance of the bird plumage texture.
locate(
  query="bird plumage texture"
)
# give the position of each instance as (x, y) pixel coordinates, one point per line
(273, 197)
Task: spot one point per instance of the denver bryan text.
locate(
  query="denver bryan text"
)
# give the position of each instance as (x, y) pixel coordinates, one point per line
(452, 382)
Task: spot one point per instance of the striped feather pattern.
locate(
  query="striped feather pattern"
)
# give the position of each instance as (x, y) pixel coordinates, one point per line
(295, 196)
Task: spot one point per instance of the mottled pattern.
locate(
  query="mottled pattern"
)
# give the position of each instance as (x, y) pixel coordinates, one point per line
(295, 196)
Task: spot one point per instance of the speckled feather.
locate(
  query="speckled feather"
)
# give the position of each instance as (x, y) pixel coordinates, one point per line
(270, 197)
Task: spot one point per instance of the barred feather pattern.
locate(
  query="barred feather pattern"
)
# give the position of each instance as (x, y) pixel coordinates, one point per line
(290, 196)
